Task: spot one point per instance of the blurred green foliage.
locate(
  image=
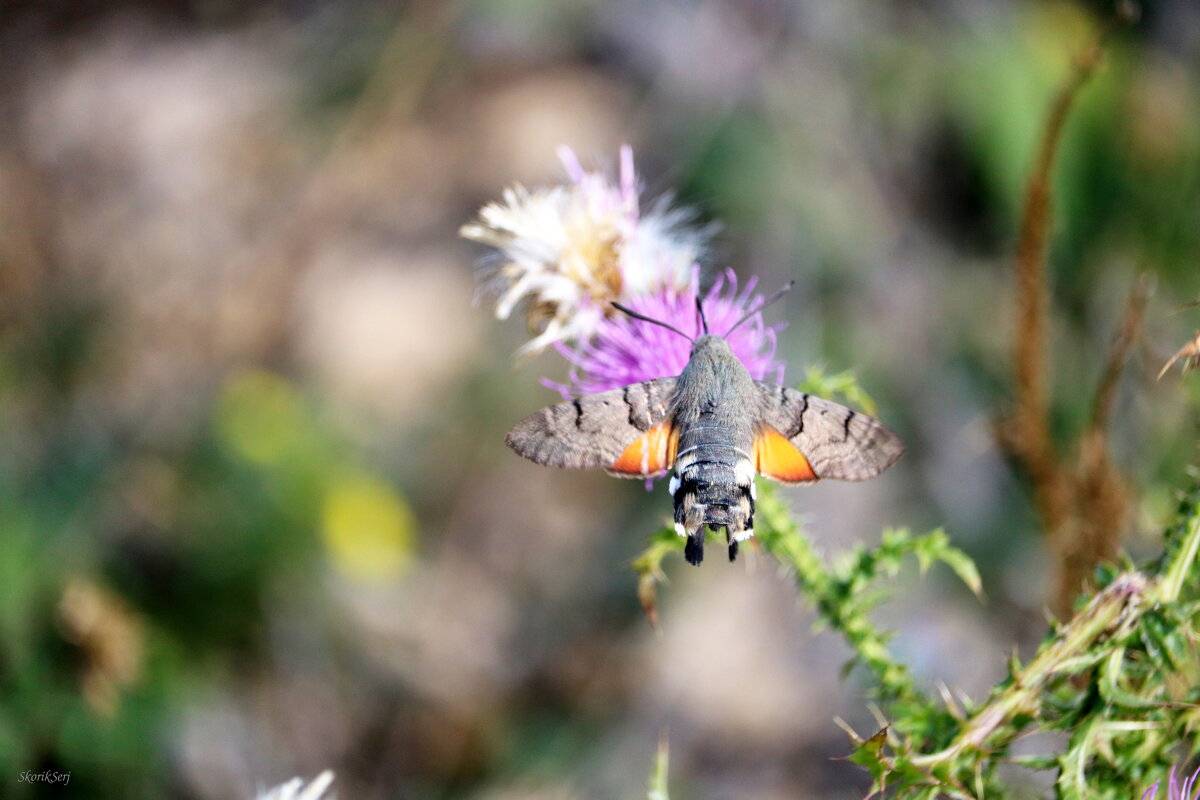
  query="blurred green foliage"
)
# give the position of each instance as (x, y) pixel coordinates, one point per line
(260, 495)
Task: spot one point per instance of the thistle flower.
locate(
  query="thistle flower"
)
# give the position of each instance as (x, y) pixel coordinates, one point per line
(296, 789)
(564, 253)
(1188, 790)
(623, 350)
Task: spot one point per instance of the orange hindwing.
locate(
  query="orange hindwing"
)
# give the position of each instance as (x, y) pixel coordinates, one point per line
(775, 457)
(652, 453)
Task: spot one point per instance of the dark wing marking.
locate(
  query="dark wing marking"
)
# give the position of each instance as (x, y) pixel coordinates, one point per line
(593, 431)
(837, 441)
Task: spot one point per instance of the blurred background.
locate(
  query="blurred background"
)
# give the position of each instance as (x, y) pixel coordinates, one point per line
(256, 515)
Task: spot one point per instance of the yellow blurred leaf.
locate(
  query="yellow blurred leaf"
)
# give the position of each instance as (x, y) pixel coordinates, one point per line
(368, 528)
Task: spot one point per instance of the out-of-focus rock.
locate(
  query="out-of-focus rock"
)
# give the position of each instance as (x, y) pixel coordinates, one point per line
(385, 333)
(515, 124)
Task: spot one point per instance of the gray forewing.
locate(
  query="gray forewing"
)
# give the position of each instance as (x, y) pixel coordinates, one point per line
(838, 442)
(593, 431)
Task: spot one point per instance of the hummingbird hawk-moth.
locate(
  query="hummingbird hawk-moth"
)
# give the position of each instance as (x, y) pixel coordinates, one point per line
(716, 428)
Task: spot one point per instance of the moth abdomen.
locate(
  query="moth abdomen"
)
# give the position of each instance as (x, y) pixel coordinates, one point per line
(722, 503)
(713, 482)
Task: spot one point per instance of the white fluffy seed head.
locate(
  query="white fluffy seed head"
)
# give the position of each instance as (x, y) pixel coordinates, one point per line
(561, 250)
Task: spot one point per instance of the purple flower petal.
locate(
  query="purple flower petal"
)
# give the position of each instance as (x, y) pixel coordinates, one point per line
(623, 350)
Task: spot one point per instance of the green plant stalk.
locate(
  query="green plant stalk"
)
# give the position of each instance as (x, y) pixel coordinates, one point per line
(1171, 586)
(990, 726)
(1101, 675)
(783, 539)
(1114, 612)
(657, 790)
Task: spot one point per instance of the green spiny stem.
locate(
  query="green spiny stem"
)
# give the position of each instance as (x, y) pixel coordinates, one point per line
(1068, 653)
(1097, 641)
(783, 538)
(1107, 617)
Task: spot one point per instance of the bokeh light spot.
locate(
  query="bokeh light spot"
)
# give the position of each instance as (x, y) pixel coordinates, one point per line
(368, 528)
(260, 417)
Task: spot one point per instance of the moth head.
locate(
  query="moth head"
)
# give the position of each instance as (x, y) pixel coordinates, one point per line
(711, 344)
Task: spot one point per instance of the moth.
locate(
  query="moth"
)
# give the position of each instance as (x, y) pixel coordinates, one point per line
(716, 428)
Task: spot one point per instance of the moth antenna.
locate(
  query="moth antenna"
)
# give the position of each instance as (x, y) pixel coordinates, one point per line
(787, 287)
(651, 320)
(700, 311)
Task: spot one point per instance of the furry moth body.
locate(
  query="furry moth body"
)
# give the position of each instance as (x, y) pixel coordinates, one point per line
(717, 428)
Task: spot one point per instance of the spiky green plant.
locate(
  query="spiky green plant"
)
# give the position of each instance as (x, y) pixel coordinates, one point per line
(1121, 678)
